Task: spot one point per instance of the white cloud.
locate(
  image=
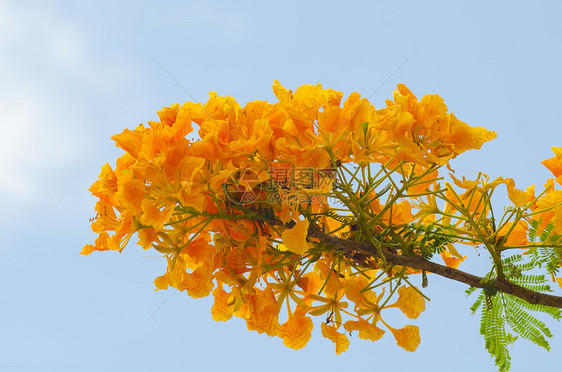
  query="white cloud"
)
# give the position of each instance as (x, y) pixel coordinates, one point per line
(30, 140)
(42, 56)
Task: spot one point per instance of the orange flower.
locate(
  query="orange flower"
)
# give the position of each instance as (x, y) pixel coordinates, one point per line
(154, 216)
(554, 164)
(367, 331)
(131, 192)
(295, 238)
(401, 213)
(451, 261)
(297, 330)
(99, 245)
(408, 338)
(410, 302)
(517, 236)
(222, 309)
(431, 133)
(130, 141)
(168, 188)
(334, 283)
(366, 301)
(340, 339)
(263, 312)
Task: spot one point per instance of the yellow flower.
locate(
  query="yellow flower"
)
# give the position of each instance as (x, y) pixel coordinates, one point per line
(106, 184)
(199, 250)
(517, 236)
(408, 338)
(410, 302)
(130, 141)
(147, 237)
(263, 312)
(518, 197)
(340, 339)
(99, 245)
(199, 283)
(297, 330)
(425, 131)
(295, 238)
(154, 216)
(131, 192)
(334, 284)
(367, 331)
(401, 213)
(161, 282)
(222, 309)
(554, 164)
(450, 260)
(366, 302)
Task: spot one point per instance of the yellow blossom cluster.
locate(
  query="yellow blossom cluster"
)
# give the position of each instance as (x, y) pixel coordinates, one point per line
(232, 211)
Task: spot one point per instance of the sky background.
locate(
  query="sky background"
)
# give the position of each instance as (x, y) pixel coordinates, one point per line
(72, 74)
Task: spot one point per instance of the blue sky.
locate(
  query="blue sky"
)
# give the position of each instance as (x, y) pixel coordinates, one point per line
(74, 73)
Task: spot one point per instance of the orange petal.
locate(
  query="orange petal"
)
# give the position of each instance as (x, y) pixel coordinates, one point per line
(554, 164)
(341, 340)
(297, 330)
(221, 310)
(451, 261)
(410, 302)
(407, 338)
(518, 197)
(295, 239)
(367, 331)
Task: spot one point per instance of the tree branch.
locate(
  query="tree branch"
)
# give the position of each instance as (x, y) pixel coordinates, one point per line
(419, 263)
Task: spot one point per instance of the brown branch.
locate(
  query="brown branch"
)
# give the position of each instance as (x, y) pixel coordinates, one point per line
(419, 263)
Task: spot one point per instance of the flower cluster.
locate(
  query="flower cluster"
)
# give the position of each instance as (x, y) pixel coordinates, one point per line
(233, 213)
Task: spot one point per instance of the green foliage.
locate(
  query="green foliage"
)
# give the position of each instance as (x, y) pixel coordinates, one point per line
(492, 327)
(429, 240)
(545, 255)
(502, 314)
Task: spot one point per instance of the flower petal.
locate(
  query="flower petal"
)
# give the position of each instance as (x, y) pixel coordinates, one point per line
(295, 239)
(341, 340)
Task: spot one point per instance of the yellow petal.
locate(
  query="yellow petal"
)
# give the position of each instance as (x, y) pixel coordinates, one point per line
(285, 213)
(341, 340)
(517, 236)
(407, 338)
(451, 261)
(199, 283)
(147, 237)
(465, 184)
(152, 216)
(295, 239)
(101, 244)
(557, 220)
(282, 94)
(161, 282)
(263, 312)
(453, 251)
(367, 331)
(410, 302)
(297, 330)
(518, 197)
(222, 310)
(130, 141)
(554, 164)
